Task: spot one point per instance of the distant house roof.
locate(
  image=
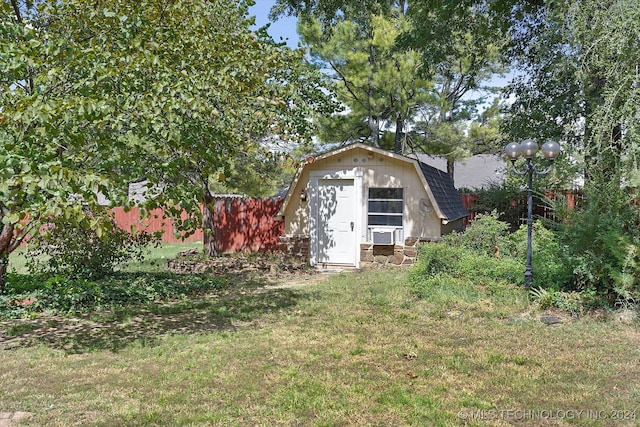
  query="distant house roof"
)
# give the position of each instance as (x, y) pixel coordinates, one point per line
(474, 173)
(444, 192)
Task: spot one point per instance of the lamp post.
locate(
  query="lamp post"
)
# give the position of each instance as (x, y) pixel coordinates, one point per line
(528, 149)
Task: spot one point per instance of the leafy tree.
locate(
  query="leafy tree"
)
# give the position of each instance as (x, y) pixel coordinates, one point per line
(579, 81)
(331, 12)
(581, 87)
(396, 77)
(461, 47)
(95, 95)
(606, 38)
(378, 85)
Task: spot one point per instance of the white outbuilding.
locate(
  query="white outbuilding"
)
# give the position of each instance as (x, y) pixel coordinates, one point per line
(360, 204)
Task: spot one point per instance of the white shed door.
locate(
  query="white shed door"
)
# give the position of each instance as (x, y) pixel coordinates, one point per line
(336, 221)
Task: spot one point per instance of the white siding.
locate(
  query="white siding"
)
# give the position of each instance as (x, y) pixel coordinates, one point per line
(377, 171)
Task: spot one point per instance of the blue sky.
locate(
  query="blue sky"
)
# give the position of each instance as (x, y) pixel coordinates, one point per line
(284, 29)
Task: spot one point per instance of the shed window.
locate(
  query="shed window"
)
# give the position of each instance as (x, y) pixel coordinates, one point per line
(385, 206)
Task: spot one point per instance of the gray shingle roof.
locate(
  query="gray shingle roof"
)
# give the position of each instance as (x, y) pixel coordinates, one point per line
(444, 192)
(474, 173)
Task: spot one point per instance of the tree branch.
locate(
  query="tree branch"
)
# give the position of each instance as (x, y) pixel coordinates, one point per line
(16, 10)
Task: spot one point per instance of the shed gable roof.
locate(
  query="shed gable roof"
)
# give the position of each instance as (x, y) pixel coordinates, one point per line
(444, 192)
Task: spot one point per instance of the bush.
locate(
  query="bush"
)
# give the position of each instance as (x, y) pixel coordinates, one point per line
(487, 261)
(442, 258)
(507, 199)
(88, 249)
(603, 240)
(451, 276)
(552, 265)
(485, 235)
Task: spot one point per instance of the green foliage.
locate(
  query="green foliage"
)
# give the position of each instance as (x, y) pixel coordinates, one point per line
(485, 235)
(508, 200)
(578, 82)
(595, 249)
(464, 263)
(451, 276)
(487, 257)
(378, 85)
(574, 303)
(94, 96)
(85, 250)
(387, 76)
(604, 239)
(30, 294)
(553, 265)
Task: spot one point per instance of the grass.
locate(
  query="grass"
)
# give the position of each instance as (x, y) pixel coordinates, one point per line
(351, 349)
(157, 258)
(154, 261)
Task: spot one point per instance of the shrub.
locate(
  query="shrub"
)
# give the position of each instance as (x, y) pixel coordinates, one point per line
(443, 259)
(88, 249)
(436, 258)
(603, 239)
(507, 199)
(452, 276)
(552, 265)
(489, 259)
(485, 235)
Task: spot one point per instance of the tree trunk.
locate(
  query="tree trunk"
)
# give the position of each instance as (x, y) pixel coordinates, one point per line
(7, 245)
(451, 166)
(4, 263)
(209, 226)
(397, 144)
(374, 126)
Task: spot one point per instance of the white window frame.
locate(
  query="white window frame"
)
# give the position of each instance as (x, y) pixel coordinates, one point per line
(397, 229)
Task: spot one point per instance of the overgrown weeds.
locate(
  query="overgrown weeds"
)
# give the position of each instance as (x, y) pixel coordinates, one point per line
(486, 257)
(87, 249)
(28, 295)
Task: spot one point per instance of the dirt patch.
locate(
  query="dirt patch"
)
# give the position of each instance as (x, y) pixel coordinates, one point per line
(7, 417)
(271, 266)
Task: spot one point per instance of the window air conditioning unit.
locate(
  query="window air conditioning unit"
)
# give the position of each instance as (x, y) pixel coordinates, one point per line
(383, 237)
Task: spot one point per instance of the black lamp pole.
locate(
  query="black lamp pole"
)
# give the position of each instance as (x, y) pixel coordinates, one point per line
(528, 150)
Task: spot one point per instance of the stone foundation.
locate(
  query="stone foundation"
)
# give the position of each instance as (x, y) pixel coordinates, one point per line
(295, 245)
(391, 254)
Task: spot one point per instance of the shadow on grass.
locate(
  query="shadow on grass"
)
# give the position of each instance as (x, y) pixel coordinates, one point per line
(244, 300)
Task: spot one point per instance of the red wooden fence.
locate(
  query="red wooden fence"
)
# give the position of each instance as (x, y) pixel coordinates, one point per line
(155, 222)
(468, 201)
(247, 224)
(572, 199)
(241, 224)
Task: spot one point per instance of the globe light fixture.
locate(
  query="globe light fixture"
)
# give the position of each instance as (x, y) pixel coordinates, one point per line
(528, 149)
(550, 150)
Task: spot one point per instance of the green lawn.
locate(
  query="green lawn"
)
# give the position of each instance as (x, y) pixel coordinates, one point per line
(155, 260)
(355, 348)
